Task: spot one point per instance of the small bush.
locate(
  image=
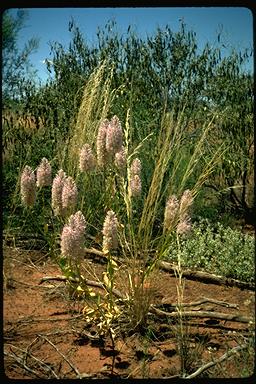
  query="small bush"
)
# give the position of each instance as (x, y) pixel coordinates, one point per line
(217, 249)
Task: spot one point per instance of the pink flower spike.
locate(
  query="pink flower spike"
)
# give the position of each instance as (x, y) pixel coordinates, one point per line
(69, 194)
(135, 185)
(114, 136)
(110, 227)
(184, 227)
(171, 211)
(44, 173)
(72, 237)
(135, 168)
(87, 161)
(101, 143)
(57, 187)
(120, 159)
(28, 187)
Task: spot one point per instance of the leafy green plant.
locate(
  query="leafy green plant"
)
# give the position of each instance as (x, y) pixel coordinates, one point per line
(216, 249)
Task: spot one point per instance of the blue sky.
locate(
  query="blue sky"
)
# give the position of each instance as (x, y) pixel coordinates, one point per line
(51, 24)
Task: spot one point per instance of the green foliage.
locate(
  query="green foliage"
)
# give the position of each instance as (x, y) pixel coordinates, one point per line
(165, 73)
(16, 68)
(217, 249)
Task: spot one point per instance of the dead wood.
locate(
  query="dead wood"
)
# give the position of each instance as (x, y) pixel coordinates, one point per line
(206, 277)
(72, 366)
(24, 363)
(189, 274)
(92, 283)
(216, 361)
(212, 315)
(203, 301)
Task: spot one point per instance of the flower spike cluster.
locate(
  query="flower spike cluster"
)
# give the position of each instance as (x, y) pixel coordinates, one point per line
(28, 187)
(135, 180)
(72, 237)
(87, 161)
(44, 173)
(64, 194)
(110, 143)
(110, 227)
(177, 213)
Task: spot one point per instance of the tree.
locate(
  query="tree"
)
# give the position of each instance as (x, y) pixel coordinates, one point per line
(17, 70)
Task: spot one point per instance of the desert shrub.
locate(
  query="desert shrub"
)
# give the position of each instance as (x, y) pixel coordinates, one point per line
(217, 249)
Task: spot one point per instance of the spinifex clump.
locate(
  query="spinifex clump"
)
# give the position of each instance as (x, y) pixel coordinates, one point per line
(28, 187)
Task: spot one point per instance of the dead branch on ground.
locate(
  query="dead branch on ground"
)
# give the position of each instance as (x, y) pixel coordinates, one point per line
(206, 277)
(214, 362)
(212, 315)
(92, 283)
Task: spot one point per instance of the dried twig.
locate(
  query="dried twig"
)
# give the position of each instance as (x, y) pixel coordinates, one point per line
(189, 274)
(214, 362)
(203, 301)
(41, 363)
(92, 283)
(212, 315)
(207, 277)
(79, 376)
(22, 364)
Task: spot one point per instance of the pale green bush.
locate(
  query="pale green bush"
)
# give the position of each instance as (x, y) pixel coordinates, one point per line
(216, 249)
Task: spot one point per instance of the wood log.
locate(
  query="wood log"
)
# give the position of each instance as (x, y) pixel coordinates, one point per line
(207, 277)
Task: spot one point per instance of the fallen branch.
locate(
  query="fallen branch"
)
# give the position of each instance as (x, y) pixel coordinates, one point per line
(214, 362)
(207, 277)
(23, 360)
(212, 315)
(79, 376)
(21, 363)
(215, 315)
(92, 283)
(203, 301)
(37, 320)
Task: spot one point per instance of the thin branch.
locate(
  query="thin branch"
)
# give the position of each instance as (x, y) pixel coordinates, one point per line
(214, 362)
(92, 283)
(203, 301)
(189, 274)
(207, 277)
(212, 315)
(21, 363)
(62, 355)
(42, 363)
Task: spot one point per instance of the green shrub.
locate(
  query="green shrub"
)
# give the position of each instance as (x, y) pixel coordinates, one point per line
(218, 250)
